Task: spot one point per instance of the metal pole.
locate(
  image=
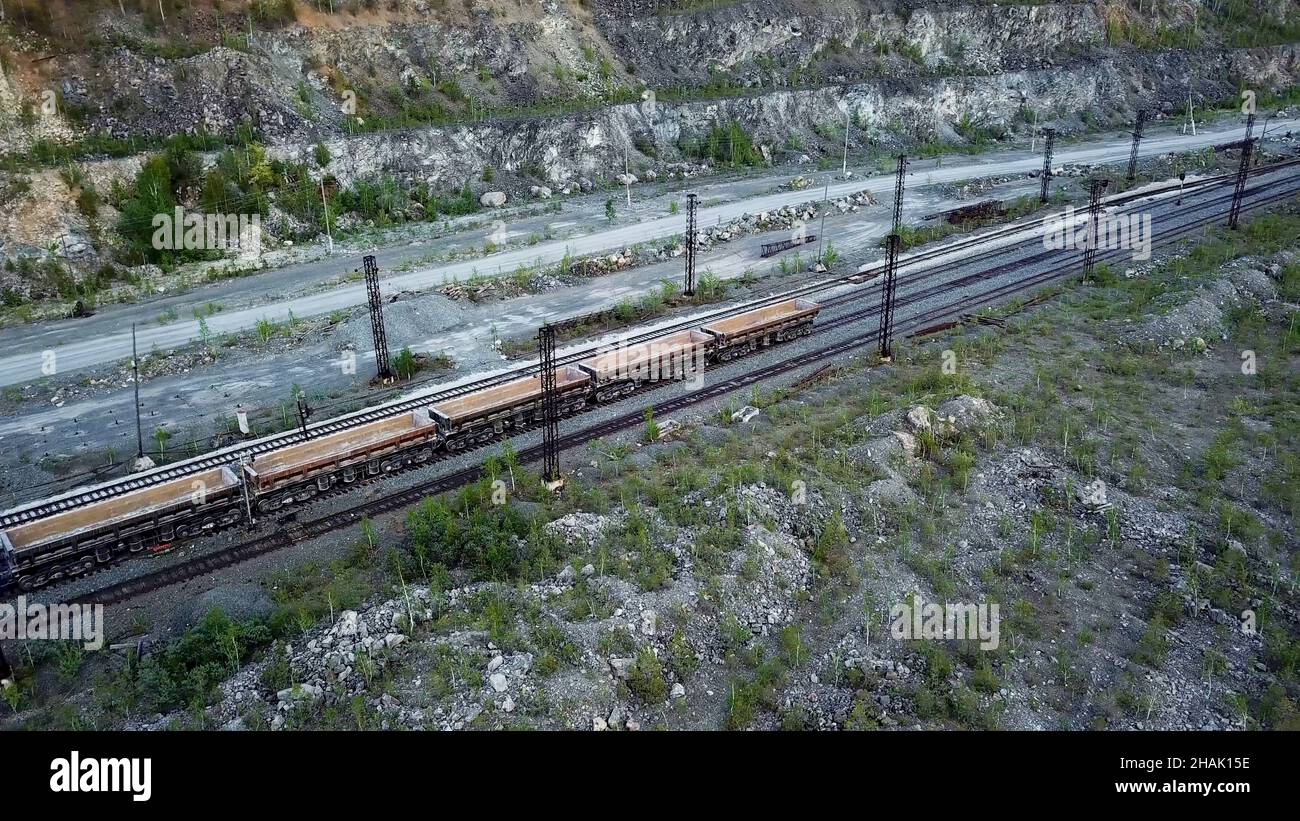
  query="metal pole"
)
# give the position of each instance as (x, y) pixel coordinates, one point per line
(1049, 137)
(1137, 140)
(135, 379)
(898, 192)
(326, 208)
(304, 413)
(1095, 188)
(384, 367)
(887, 288)
(550, 404)
(845, 170)
(821, 232)
(689, 290)
(1243, 171)
(889, 285)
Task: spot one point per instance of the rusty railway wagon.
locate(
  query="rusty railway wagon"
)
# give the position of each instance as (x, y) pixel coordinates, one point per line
(297, 473)
(75, 541)
(484, 415)
(622, 370)
(745, 333)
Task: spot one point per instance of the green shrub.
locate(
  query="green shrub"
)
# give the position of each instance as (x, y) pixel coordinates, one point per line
(646, 678)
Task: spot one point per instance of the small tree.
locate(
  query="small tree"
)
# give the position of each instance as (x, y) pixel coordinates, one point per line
(161, 435)
(405, 363)
(610, 213)
(651, 427)
(830, 256)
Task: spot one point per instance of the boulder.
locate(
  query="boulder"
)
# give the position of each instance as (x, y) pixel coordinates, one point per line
(890, 493)
(492, 199)
(621, 666)
(919, 418)
(964, 413)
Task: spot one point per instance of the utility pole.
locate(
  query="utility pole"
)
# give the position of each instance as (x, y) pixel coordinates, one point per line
(304, 413)
(135, 380)
(1049, 137)
(821, 232)
(844, 171)
(888, 286)
(550, 408)
(1095, 187)
(689, 290)
(382, 364)
(1191, 115)
(1137, 140)
(1243, 171)
(325, 207)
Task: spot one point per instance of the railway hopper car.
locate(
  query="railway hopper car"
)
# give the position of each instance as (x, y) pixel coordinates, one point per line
(75, 541)
(621, 371)
(744, 333)
(298, 472)
(483, 415)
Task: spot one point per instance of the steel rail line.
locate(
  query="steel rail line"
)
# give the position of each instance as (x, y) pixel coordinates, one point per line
(291, 533)
(235, 453)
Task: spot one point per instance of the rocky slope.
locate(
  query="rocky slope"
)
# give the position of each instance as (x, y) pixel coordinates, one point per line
(563, 93)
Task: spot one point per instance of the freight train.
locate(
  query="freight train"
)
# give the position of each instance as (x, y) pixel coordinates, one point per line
(76, 541)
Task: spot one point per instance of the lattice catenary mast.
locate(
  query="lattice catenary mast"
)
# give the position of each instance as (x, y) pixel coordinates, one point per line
(550, 405)
(1137, 140)
(382, 364)
(1247, 149)
(1095, 187)
(689, 289)
(888, 286)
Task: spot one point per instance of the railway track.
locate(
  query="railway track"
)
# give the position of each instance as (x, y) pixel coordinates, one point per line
(286, 535)
(235, 453)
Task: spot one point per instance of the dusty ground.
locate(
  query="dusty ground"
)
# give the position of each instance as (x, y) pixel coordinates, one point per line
(1115, 468)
